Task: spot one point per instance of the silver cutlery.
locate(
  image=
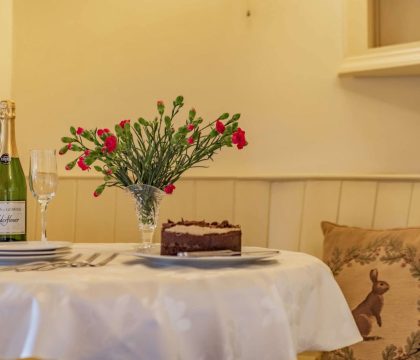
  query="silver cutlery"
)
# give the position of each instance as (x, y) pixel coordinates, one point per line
(105, 261)
(72, 263)
(67, 263)
(226, 253)
(86, 262)
(38, 264)
(24, 266)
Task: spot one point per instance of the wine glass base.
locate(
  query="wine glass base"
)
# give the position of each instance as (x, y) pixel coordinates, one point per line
(145, 247)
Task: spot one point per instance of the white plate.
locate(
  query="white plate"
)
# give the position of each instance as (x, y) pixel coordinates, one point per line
(37, 252)
(153, 255)
(12, 258)
(33, 245)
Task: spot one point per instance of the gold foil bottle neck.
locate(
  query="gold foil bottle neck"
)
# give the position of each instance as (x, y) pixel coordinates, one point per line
(7, 109)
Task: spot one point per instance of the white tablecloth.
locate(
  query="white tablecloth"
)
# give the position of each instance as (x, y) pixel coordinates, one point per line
(132, 310)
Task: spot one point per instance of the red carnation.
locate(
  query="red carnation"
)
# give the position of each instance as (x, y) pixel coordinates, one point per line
(220, 127)
(160, 103)
(190, 140)
(169, 189)
(69, 145)
(87, 152)
(81, 163)
(106, 130)
(109, 172)
(79, 131)
(123, 122)
(68, 167)
(100, 132)
(190, 127)
(238, 138)
(111, 143)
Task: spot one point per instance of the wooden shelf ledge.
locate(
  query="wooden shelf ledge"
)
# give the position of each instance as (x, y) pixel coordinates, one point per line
(399, 60)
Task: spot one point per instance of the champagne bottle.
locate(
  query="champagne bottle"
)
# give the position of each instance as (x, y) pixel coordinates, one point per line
(12, 179)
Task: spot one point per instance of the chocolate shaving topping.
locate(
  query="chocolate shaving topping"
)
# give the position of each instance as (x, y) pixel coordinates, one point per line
(214, 224)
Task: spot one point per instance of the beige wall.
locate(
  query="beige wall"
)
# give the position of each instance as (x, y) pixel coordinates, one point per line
(96, 62)
(5, 48)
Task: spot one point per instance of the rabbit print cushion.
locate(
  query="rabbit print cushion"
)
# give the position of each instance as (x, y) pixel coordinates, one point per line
(379, 274)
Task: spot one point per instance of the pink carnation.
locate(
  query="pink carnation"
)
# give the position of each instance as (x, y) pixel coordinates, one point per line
(111, 143)
(220, 127)
(169, 189)
(81, 163)
(123, 122)
(238, 138)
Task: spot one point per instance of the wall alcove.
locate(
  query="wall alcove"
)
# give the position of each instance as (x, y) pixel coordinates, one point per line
(381, 38)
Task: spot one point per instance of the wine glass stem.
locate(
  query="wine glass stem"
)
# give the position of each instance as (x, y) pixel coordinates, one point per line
(44, 205)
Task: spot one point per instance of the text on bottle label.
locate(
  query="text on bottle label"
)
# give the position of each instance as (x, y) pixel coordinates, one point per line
(12, 217)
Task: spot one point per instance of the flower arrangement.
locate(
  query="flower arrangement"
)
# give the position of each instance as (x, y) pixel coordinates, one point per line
(151, 152)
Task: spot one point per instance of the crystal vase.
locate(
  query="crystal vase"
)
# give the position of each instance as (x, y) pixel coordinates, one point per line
(147, 199)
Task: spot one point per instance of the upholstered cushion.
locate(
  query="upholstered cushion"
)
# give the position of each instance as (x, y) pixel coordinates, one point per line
(379, 274)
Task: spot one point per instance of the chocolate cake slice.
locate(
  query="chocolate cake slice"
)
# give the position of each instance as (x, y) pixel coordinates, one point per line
(199, 236)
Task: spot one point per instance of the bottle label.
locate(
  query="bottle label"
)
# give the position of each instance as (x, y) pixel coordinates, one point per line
(5, 159)
(12, 217)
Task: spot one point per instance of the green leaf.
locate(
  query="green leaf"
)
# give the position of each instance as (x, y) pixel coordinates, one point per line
(99, 190)
(137, 127)
(223, 116)
(89, 160)
(160, 107)
(213, 133)
(71, 164)
(183, 130)
(228, 141)
(178, 138)
(191, 114)
(67, 140)
(98, 168)
(73, 130)
(228, 130)
(127, 129)
(76, 148)
(63, 150)
(167, 121)
(179, 100)
(88, 135)
(118, 130)
(236, 117)
(143, 122)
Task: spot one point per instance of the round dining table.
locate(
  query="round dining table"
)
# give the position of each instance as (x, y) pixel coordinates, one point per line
(136, 308)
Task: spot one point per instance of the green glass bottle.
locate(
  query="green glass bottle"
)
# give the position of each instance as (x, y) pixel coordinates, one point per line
(12, 179)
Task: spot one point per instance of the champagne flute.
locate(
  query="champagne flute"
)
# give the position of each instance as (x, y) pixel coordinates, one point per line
(43, 182)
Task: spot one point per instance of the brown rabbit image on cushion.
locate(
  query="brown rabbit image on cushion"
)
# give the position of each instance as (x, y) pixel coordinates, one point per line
(351, 253)
(371, 307)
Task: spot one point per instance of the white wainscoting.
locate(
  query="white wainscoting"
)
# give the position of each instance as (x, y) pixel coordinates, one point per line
(277, 212)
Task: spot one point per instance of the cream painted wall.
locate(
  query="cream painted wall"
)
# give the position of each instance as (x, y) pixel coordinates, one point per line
(95, 62)
(5, 48)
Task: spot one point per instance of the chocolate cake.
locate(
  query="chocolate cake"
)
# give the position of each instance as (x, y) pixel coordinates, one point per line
(199, 236)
